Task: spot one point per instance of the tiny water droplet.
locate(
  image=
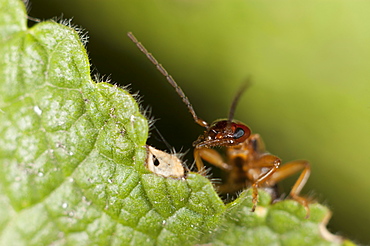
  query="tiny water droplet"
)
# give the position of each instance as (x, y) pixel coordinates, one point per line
(37, 110)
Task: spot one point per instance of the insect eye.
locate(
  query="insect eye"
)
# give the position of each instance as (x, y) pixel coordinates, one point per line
(239, 132)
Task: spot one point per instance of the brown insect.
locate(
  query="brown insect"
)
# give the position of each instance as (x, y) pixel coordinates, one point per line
(247, 161)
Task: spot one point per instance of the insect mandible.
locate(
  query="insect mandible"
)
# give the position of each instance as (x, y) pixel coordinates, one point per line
(247, 161)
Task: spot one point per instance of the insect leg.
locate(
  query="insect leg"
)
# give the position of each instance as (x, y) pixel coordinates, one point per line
(211, 156)
(289, 169)
(264, 161)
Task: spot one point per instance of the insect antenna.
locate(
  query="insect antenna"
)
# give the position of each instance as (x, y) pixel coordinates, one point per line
(169, 78)
(241, 90)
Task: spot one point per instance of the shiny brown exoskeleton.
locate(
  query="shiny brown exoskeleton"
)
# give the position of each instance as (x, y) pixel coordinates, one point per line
(247, 161)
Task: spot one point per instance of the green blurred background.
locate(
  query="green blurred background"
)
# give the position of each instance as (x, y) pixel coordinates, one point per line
(310, 66)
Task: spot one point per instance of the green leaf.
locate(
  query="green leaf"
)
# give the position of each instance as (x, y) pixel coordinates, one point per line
(72, 159)
(72, 152)
(309, 64)
(282, 223)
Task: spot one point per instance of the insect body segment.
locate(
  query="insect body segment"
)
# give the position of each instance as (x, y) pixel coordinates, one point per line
(247, 162)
